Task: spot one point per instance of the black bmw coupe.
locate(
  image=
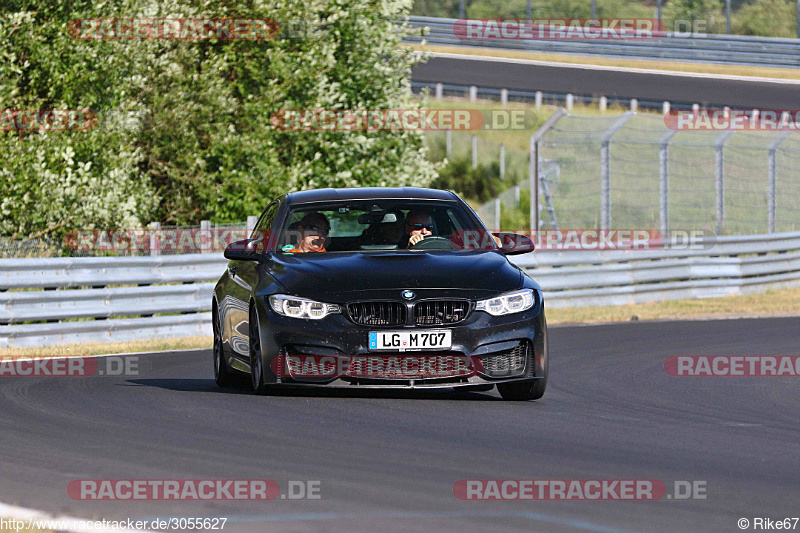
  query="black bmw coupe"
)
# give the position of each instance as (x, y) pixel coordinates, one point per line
(379, 287)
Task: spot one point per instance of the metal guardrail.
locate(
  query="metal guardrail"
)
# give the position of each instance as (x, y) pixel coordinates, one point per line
(86, 301)
(706, 48)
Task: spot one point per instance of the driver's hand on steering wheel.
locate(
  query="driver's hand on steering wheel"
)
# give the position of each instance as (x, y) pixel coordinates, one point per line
(414, 239)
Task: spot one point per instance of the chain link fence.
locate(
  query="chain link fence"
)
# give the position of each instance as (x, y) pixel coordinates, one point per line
(629, 170)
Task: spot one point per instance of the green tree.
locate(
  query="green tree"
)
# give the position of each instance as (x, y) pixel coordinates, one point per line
(768, 18)
(184, 130)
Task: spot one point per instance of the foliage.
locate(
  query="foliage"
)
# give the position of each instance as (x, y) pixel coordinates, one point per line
(184, 128)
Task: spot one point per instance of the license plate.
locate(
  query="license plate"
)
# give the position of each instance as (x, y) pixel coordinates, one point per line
(410, 340)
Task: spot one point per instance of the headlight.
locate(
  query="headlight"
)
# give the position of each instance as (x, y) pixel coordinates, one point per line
(301, 307)
(506, 304)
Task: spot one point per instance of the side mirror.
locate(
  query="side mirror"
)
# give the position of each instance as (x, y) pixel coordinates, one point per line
(514, 243)
(244, 250)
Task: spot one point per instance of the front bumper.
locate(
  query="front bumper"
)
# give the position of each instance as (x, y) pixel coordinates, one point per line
(494, 343)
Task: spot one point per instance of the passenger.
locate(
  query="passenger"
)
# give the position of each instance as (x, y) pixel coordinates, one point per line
(313, 230)
(419, 225)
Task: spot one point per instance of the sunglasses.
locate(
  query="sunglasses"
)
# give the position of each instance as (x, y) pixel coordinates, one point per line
(316, 229)
(417, 227)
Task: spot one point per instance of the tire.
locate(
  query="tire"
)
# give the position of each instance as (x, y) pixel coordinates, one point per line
(223, 375)
(256, 359)
(523, 391)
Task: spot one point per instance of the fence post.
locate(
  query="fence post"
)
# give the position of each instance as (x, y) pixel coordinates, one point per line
(497, 214)
(665, 108)
(720, 179)
(503, 97)
(205, 236)
(772, 196)
(155, 238)
(474, 151)
(634, 104)
(605, 169)
(603, 104)
(448, 136)
(538, 99)
(502, 161)
(533, 167)
(439, 90)
(570, 101)
(473, 93)
(663, 181)
(251, 224)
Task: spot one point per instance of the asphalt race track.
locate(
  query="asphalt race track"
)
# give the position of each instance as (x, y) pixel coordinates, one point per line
(708, 91)
(389, 463)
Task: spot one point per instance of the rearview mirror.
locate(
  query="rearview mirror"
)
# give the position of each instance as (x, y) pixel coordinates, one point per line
(243, 250)
(514, 243)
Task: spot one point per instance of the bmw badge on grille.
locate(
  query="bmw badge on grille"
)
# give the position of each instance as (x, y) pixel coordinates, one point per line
(409, 295)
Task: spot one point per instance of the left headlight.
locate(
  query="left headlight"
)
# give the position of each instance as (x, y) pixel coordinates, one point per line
(509, 303)
(295, 307)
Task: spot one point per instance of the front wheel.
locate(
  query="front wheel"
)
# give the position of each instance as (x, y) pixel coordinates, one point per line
(256, 360)
(522, 391)
(222, 374)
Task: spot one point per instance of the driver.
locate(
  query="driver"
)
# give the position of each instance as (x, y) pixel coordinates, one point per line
(419, 225)
(313, 229)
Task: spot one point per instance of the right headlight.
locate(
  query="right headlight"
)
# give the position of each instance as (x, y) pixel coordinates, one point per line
(509, 303)
(296, 307)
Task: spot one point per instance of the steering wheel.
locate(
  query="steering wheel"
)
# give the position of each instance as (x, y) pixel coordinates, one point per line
(432, 242)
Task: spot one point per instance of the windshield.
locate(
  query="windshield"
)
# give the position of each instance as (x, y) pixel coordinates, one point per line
(381, 225)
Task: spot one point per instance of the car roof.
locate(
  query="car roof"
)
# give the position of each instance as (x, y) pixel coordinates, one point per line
(369, 193)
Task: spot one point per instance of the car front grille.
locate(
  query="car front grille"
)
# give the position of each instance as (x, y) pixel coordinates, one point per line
(506, 364)
(378, 313)
(424, 313)
(440, 312)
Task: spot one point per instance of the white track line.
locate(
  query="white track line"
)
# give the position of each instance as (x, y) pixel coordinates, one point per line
(31, 516)
(673, 73)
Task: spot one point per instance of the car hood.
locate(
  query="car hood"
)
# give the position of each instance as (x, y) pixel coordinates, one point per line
(342, 277)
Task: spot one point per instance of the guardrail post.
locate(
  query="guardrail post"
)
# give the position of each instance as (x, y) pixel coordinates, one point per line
(605, 169)
(772, 195)
(603, 104)
(205, 236)
(720, 179)
(473, 93)
(474, 151)
(695, 109)
(439, 91)
(570, 101)
(504, 97)
(533, 167)
(663, 182)
(538, 99)
(448, 145)
(155, 238)
(634, 104)
(665, 108)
